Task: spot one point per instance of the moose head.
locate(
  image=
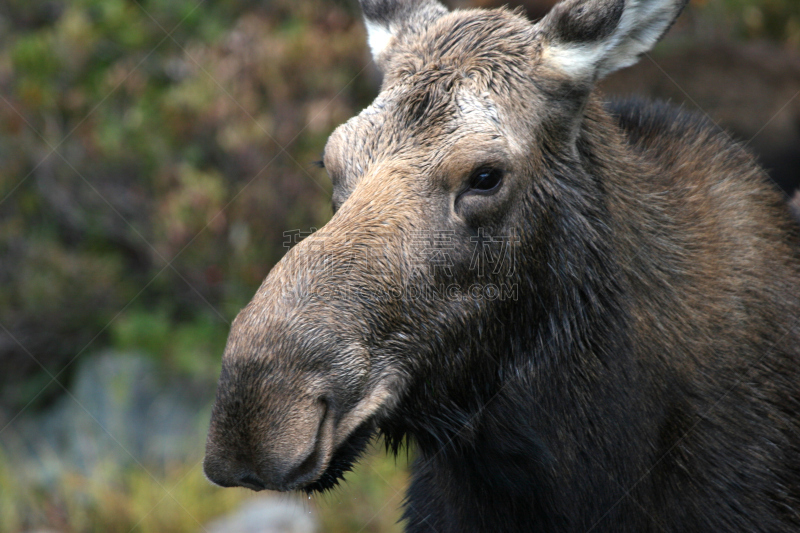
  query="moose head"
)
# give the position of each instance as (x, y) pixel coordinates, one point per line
(468, 238)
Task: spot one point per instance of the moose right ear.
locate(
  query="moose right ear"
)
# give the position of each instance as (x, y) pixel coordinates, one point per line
(386, 18)
(588, 39)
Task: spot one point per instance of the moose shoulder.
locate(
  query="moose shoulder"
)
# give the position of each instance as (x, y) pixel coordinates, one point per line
(585, 316)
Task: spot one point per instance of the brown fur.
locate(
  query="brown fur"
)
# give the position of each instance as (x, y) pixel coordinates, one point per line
(646, 373)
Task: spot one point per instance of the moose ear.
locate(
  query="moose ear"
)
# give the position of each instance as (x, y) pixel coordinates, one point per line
(589, 39)
(386, 18)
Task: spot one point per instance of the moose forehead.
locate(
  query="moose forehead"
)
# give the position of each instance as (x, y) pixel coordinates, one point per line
(494, 46)
(456, 79)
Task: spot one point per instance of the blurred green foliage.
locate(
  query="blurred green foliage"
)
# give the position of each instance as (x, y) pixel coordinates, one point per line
(778, 20)
(179, 499)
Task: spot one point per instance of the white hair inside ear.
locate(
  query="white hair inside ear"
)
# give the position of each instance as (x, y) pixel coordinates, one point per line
(386, 18)
(378, 37)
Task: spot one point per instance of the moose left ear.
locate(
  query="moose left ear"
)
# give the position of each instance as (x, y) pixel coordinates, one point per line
(589, 39)
(386, 18)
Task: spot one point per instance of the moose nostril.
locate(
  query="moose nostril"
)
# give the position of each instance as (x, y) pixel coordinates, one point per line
(251, 481)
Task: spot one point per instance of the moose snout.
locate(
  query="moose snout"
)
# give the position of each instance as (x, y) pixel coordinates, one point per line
(270, 456)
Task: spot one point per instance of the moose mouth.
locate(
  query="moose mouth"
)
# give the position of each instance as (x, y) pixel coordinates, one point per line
(343, 459)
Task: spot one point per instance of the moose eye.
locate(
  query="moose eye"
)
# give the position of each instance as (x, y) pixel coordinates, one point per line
(485, 180)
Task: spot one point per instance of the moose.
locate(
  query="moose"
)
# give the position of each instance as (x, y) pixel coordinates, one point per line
(630, 361)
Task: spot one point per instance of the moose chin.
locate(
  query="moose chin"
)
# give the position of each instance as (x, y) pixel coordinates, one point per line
(621, 349)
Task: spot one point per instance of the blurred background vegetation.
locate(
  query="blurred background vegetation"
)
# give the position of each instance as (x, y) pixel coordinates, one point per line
(152, 155)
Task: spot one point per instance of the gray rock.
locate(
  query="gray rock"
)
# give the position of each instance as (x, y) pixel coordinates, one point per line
(119, 411)
(267, 514)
